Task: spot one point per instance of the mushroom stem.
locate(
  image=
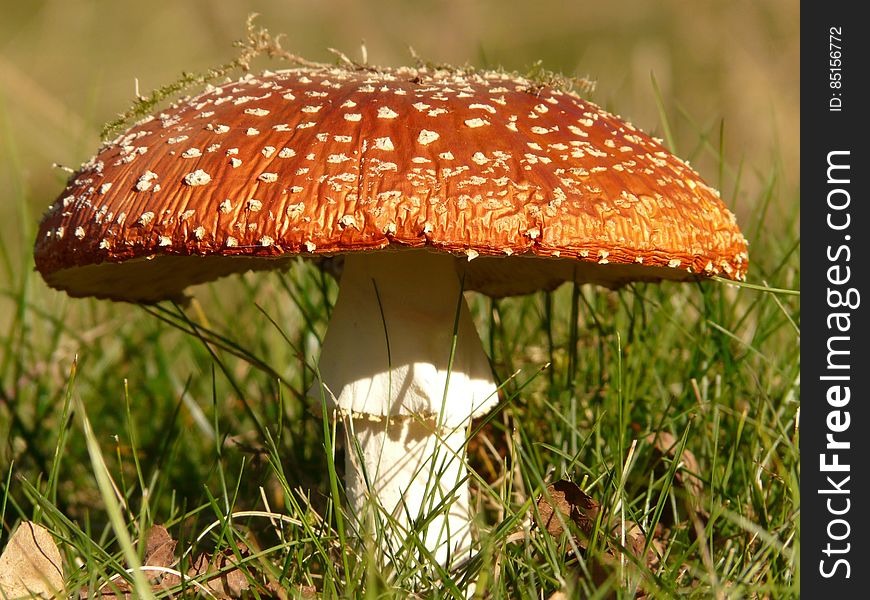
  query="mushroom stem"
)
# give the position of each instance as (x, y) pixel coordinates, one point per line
(407, 477)
(408, 389)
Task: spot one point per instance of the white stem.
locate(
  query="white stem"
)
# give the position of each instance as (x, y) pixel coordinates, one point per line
(403, 479)
(387, 358)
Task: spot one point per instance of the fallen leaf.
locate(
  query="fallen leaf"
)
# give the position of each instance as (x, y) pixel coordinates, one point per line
(221, 574)
(159, 547)
(635, 542)
(566, 503)
(159, 552)
(686, 477)
(31, 564)
(573, 504)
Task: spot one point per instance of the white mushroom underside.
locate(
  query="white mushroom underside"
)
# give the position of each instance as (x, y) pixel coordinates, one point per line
(386, 365)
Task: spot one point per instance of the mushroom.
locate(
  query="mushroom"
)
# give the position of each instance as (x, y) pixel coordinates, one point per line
(429, 183)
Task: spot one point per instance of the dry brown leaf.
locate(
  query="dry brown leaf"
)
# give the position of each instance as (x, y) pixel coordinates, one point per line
(159, 552)
(573, 504)
(565, 498)
(159, 547)
(31, 566)
(635, 542)
(686, 475)
(220, 574)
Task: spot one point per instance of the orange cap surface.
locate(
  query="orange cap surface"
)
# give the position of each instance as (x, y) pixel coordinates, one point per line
(327, 161)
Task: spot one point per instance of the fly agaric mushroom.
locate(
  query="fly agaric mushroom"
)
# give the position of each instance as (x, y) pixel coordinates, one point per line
(409, 174)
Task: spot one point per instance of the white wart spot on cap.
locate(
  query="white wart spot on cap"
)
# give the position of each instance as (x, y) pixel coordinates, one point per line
(191, 153)
(145, 181)
(226, 206)
(347, 221)
(268, 177)
(426, 137)
(198, 177)
(476, 122)
(143, 220)
(486, 107)
(384, 143)
(254, 205)
(385, 112)
(268, 151)
(353, 117)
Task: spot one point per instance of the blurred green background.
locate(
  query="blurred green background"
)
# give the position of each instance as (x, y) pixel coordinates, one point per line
(68, 66)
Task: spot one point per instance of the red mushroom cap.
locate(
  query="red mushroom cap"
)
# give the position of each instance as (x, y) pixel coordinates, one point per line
(333, 160)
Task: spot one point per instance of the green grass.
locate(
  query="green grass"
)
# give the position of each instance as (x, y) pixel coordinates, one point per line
(119, 417)
(200, 412)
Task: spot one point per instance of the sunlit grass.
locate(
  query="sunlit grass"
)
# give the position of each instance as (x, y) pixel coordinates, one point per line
(200, 411)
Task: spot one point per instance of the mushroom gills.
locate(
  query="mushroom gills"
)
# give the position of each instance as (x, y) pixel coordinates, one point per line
(386, 367)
